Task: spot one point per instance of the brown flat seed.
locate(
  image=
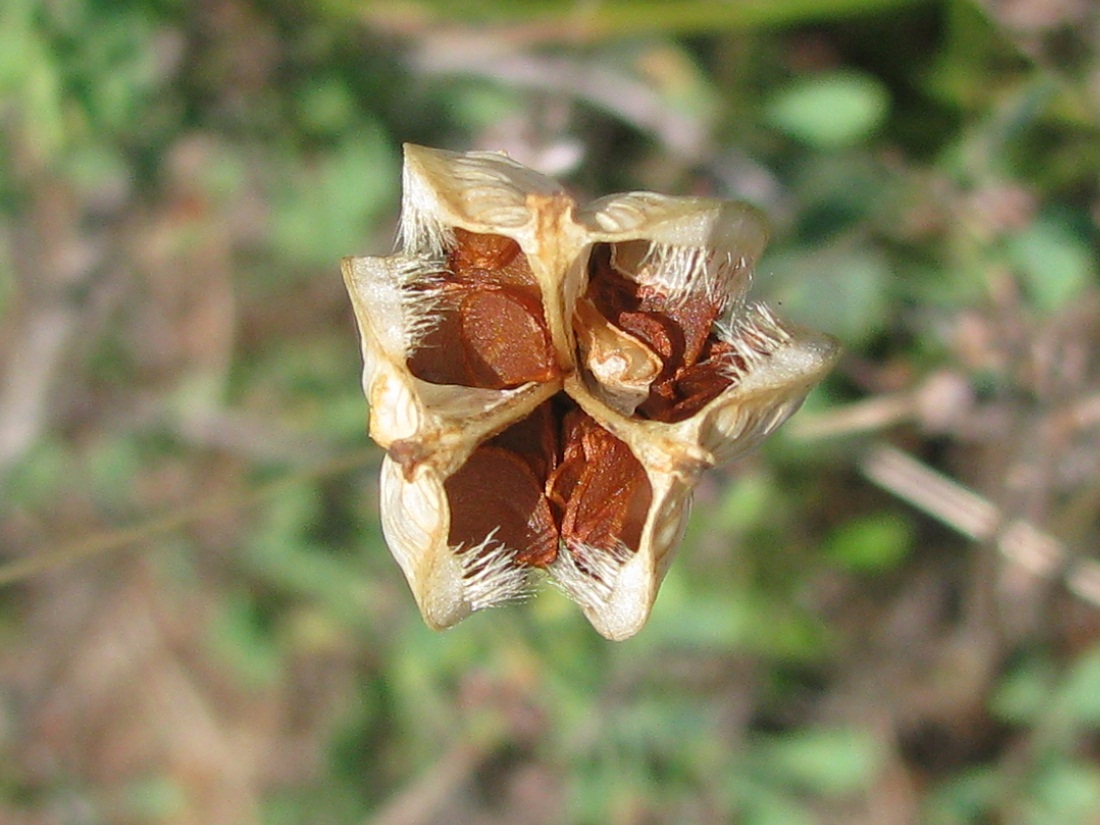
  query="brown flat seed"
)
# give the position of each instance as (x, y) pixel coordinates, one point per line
(691, 388)
(694, 388)
(676, 329)
(694, 319)
(563, 480)
(607, 288)
(496, 490)
(474, 250)
(659, 333)
(608, 504)
(438, 355)
(534, 439)
(482, 260)
(504, 339)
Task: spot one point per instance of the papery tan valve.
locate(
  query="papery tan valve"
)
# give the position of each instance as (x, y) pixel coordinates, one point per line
(549, 381)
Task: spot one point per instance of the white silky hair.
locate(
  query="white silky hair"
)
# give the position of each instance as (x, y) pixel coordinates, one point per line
(420, 231)
(491, 575)
(687, 273)
(592, 585)
(755, 333)
(420, 281)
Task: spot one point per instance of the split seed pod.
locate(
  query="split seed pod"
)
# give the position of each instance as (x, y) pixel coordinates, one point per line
(549, 380)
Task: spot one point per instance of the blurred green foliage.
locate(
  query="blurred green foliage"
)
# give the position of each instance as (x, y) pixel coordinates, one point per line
(831, 110)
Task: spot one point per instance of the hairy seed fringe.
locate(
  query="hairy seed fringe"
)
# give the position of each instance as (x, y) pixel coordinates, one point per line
(420, 279)
(687, 273)
(592, 585)
(491, 575)
(420, 233)
(755, 333)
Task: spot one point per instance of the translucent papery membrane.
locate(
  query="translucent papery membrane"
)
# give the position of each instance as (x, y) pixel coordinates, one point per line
(414, 525)
(772, 367)
(487, 191)
(682, 273)
(449, 582)
(588, 575)
(681, 245)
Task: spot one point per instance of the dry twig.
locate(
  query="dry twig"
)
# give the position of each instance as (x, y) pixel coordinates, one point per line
(1022, 543)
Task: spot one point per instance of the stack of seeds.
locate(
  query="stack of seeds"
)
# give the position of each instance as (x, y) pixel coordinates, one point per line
(549, 381)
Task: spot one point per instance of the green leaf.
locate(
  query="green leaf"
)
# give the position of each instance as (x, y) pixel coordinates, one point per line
(330, 209)
(40, 472)
(831, 762)
(1024, 693)
(326, 106)
(775, 809)
(1032, 691)
(830, 111)
(113, 464)
(238, 634)
(869, 544)
(19, 43)
(623, 18)
(964, 798)
(842, 291)
(154, 798)
(1080, 693)
(1054, 260)
(7, 277)
(746, 503)
(1066, 792)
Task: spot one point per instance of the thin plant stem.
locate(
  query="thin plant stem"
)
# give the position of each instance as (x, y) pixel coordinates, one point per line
(45, 561)
(595, 21)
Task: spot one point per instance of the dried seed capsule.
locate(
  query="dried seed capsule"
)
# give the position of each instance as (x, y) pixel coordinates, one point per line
(549, 381)
(468, 246)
